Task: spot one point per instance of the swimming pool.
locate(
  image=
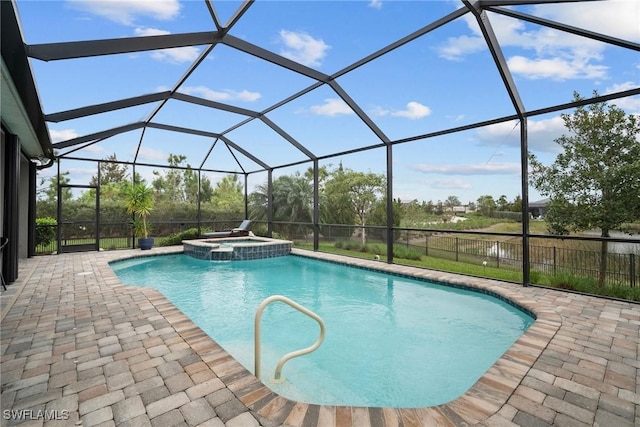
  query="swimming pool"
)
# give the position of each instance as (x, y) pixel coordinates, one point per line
(391, 340)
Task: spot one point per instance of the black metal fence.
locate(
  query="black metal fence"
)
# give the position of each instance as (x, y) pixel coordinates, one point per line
(621, 267)
(546, 259)
(119, 235)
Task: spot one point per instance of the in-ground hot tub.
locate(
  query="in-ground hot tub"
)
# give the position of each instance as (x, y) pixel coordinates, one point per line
(236, 248)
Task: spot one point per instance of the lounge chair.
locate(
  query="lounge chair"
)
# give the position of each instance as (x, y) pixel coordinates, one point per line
(242, 230)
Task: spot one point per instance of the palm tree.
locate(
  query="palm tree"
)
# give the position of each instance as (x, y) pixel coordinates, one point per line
(140, 200)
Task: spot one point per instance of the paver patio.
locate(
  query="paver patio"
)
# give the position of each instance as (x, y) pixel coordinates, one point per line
(79, 346)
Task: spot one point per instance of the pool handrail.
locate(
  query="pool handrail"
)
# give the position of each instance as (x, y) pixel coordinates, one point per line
(291, 355)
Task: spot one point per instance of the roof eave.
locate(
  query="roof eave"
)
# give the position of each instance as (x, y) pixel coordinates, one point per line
(19, 90)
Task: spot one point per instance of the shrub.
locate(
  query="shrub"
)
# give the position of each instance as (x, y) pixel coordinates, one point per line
(399, 251)
(351, 245)
(177, 238)
(404, 252)
(513, 216)
(45, 230)
(568, 281)
(590, 285)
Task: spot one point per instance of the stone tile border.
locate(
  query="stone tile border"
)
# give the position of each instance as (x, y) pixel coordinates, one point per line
(484, 399)
(576, 365)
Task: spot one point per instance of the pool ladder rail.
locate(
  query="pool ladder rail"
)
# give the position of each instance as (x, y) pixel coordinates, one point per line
(277, 376)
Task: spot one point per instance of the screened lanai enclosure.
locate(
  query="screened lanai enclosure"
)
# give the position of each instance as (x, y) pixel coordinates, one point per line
(371, 128)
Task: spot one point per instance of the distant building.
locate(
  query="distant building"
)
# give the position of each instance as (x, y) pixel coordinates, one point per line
(460, 210)
(538, 210)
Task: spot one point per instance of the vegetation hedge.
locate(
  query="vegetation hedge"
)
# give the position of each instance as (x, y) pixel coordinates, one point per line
(177, 238)
(45, 230)
(399, 251)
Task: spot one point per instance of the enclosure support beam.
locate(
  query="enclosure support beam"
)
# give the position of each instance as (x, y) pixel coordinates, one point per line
(199, 202)
(270, 203)
(246, 195)
(390, 219)
(31, 221)
(524, 160)
(476, 7)
(316, 206)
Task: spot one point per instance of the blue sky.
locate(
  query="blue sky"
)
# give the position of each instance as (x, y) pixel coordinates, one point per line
(444, 79)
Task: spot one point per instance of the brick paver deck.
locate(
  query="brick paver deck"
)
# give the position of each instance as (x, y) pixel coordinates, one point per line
(79, 346)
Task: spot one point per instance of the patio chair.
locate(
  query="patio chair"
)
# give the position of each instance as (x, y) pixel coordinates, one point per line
(242, 230)
(3, 243)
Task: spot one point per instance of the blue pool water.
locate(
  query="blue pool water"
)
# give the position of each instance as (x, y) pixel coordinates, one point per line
(391, 340)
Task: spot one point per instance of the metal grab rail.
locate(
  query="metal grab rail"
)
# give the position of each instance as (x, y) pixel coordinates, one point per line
(293, 354)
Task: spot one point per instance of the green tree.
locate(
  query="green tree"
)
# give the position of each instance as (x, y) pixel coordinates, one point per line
(451, 202)
(439, 208)
(362, 191)
(228, 194)
(139, 202)
(50, 193)
(516, 205)
(110, 172)
(114, 179)
(429, 207)
(292, 199)
(486, 205)
(169, 184)
(379, 216)
(335, 201)
(595, 181)
(502, 204)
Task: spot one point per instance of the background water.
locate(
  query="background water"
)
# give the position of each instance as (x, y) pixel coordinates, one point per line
(391, 341)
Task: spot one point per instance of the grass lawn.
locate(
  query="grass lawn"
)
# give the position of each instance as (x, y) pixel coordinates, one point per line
(561, 280)
(426, 262)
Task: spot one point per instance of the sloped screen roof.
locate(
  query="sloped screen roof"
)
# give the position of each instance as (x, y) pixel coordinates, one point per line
(249, 86)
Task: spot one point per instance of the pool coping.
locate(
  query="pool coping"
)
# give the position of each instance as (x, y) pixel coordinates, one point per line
(484, 399)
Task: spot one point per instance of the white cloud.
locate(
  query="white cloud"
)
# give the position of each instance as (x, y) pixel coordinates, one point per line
(468, 168)
(74, 172)
(376, 4)
(303, 48)
(457, 118)
(150, 154)
(176, 54)
(62, 134)
(554, 54)
(414, 111)
(448, 184)
(457, 47)
(332, 107)
(94, 148)
(127, 11)
(630, 103)
(555, 68)
(541, 134)
(224, 95)
(618, 18)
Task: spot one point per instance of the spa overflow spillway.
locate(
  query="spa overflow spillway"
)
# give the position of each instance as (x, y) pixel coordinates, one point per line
(236, 248)
(391, 340)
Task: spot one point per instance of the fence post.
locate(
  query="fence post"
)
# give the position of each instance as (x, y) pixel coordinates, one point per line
(555, 260)
(632, 270)
(426, 245)
(456, 248)
(497, 254)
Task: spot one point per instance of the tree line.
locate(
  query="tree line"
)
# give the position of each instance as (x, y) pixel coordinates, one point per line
(593, 183)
